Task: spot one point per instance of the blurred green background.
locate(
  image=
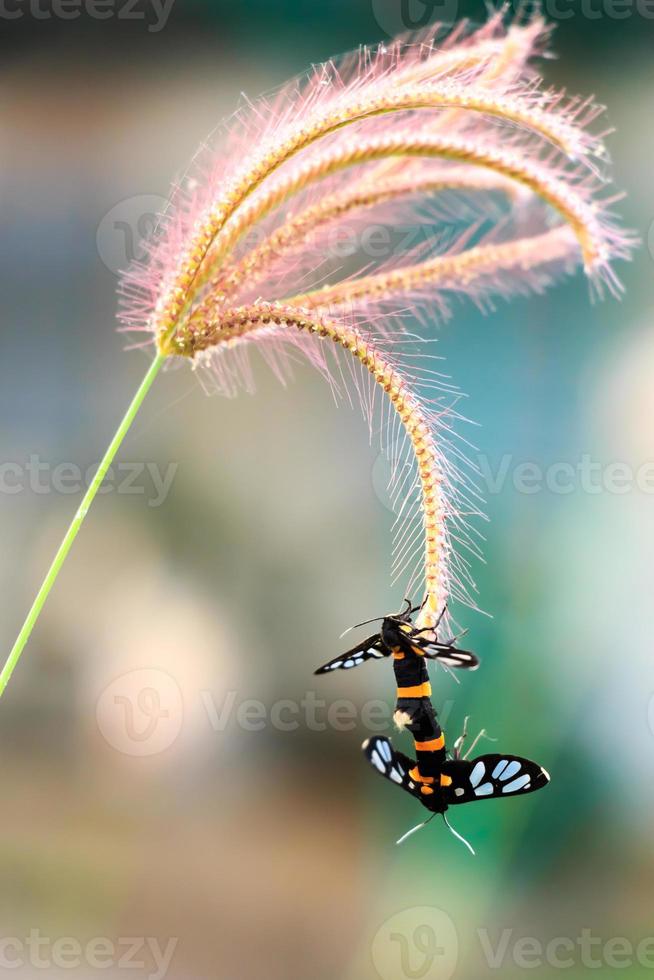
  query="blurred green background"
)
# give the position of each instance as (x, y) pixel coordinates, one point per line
(156, 784)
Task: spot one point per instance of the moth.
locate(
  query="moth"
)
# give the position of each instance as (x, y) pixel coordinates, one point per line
(456, 779)
(399, 635)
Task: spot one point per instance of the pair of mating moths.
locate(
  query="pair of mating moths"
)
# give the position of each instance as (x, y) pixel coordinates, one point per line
(437, 778)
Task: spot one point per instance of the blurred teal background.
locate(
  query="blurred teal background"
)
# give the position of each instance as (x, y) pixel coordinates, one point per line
(242, 838)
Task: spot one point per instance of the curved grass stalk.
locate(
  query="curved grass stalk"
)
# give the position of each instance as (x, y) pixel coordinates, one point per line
(493, 57)
(322, 167)
(510, 109)
(508, 54)
(459, 271)
(236, 324)
(566, 200)
(170, 294)
(496, 56)
(366, 194)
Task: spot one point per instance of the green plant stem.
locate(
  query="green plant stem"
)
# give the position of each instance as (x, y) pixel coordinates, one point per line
(77, 522)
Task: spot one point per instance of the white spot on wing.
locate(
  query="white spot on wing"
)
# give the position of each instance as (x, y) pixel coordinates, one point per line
(385, 751)
(485, 790)
(458, 791)
(511, 770)
(396, 776)
(522, 782)
(477, 774)
(348, 663)
(499, 768)
(377, 762)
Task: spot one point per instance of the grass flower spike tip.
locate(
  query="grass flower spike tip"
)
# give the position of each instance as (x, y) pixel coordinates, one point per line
(451, 130)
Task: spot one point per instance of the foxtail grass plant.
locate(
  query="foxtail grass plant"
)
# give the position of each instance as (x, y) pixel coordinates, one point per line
(433, 127)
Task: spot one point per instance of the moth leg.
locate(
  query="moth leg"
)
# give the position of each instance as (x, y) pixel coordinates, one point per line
(458, 745)
(482, 734)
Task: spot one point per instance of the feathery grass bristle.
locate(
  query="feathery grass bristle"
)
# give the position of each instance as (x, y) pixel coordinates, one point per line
(437, 129)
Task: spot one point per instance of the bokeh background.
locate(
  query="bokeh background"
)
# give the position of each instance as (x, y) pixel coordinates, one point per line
(171, 770)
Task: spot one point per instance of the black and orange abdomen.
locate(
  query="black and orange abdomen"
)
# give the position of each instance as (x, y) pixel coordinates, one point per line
(416, 713)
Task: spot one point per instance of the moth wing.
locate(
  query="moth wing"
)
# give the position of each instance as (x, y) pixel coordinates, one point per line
(490, 777)
(445, 653)
(370, 649)
(451, 656)
(390, 764)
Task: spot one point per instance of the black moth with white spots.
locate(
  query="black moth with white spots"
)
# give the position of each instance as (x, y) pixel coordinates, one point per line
(370, 649)
(461, 780)
(398, 634)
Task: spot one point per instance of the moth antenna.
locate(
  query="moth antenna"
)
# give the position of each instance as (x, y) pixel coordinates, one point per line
(458, 835)
(414, 830)
(357, 625)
